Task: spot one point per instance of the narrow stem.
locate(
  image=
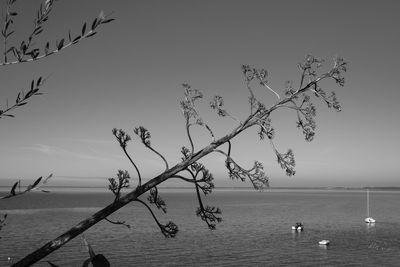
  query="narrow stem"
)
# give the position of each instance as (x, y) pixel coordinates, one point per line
(183, 178)
(188, 134)
(118, 222)
(5, 35)
(269, 88)
(151, 211)
(251, 96)
(159, 154)
(134, 165)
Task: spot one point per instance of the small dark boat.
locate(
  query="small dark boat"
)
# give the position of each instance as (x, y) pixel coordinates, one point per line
(298, 227)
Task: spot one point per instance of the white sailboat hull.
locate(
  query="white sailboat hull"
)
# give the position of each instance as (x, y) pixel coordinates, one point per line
(324, 242)
(370, 220)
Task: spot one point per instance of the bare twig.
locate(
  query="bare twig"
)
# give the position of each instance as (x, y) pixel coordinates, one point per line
(118, 222)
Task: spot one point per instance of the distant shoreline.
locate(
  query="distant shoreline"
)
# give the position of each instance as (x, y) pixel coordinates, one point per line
(104, 189)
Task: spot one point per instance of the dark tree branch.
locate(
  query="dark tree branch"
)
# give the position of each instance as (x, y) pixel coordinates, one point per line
(188, 160)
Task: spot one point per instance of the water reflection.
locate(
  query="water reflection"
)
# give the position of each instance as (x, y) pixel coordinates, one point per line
(370, 225)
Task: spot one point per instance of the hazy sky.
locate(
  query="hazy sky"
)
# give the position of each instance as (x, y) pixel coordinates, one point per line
(131, 72)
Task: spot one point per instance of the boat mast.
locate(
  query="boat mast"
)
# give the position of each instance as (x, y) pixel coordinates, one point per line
(367, 203)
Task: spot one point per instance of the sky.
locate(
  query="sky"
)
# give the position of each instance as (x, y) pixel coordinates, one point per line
(130, 74)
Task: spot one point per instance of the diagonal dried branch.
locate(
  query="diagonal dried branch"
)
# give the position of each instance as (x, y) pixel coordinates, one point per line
(189, 158)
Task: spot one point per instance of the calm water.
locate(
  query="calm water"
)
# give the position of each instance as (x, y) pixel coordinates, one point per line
(256, 230)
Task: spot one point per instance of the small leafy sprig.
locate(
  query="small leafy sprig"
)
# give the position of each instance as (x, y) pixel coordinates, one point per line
(209, 214)
(206, 185)
(23, 98)
(256, 174)
(287, 162)
(116, 185)
(35, 186)
(266, 129)
(217, 104)
(306, 113)
(169, 230)
(190, 113)
(260, 75)
(154, 198)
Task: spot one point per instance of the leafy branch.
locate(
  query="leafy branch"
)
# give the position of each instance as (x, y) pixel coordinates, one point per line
(22, 98)
(8, 21)
(16, 188)
(25, 53)
(154, 198)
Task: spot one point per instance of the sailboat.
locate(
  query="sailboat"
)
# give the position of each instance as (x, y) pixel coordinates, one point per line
(369, 219)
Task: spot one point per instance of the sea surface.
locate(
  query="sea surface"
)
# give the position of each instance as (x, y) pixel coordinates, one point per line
(255, 231)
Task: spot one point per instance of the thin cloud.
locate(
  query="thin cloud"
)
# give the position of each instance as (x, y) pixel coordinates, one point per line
(61, 152)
